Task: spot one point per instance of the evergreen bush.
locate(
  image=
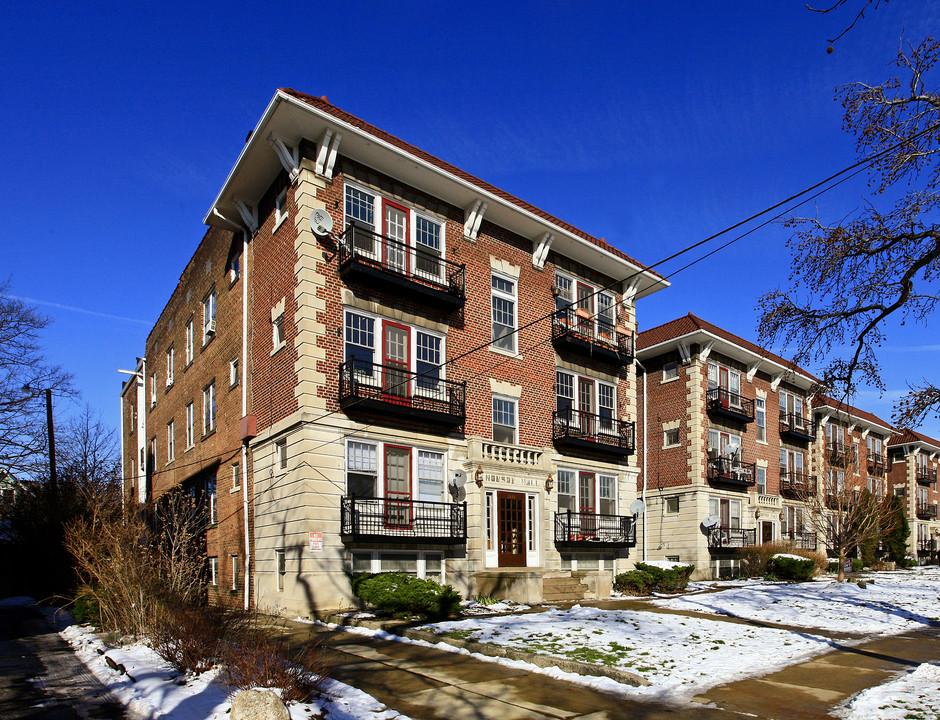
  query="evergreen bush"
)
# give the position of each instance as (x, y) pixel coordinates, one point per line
(791, 568)
(401, 596)
(634, 582)
(652, 578)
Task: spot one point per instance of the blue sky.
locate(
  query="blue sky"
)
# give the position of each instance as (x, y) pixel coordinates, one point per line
(651, 124)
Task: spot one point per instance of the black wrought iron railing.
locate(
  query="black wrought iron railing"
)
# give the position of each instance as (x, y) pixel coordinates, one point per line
(876, 464)
(727, 537)
(569, 324)
(840, 453)
(801, 539)
(417, 264)
(926, 476)
(722, 468)
(926, 511)
(602, 431)
(797, 484)
(579, 527)
(399, 390)
(730, 403)
(926, 546)
(400, 519)
(795, 424)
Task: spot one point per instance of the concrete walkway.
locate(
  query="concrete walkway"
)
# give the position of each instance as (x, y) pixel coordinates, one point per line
(431, 684)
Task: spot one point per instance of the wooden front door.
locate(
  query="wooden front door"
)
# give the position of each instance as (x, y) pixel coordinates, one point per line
(766, 532)
(511, 528)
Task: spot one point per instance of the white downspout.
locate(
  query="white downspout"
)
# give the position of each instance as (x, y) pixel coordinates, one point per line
(245, 375)
(643, 496)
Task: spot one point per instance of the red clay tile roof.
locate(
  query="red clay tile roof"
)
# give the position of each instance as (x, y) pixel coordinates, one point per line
(691, 323)
(325, 106)
(911, 436)
(825, 400)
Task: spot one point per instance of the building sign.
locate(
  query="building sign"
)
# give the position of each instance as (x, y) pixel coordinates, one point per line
(496, 479)
(316, 542)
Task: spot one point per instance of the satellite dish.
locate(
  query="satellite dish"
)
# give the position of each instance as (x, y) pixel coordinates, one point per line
(321, 222)
(459, 494)
(458, 478)
(711, 521)
(638, 507)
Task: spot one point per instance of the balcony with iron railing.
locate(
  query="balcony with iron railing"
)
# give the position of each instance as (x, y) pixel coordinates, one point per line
(580, 529)
(797, 485)
(579, 430)
(728, 470)
(590, 336)
(926, 476)
(730, 405)
(801, 539)
(727, 537)
(402, 520)
(372, 258)
(389, 390)
(877, 464)
(926, 511)
(796, 427)
(927, 546)
(839, 453)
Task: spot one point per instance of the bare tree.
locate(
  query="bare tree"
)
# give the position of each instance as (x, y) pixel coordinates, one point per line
(24, 377)
(844, 510)
(850, 278)
(860, 15)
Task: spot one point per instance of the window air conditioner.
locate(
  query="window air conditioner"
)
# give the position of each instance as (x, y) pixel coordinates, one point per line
(210, 327)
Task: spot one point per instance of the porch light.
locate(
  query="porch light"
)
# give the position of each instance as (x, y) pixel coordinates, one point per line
(757, 514)
(549, 483)
(782, 516)
(478, 476)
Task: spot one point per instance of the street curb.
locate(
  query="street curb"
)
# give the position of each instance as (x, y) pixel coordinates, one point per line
(542, 661)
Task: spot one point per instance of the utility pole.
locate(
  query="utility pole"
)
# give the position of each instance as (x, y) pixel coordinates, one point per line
(53, 480)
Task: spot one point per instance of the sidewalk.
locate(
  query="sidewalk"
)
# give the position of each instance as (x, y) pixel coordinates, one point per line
(431, 684)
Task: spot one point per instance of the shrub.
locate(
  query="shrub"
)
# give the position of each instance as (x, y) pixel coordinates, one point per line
(792, 568)
(267, 662)
(401, 596)
(634, 582)
(857, 565)
(833, 566)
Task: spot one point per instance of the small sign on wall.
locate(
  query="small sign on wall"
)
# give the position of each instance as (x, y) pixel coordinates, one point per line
(316, 542)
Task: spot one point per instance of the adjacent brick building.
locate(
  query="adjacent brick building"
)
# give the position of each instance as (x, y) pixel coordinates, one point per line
(441, 384)
(912, 475)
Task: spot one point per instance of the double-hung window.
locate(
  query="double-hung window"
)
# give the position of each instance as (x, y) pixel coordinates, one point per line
(170, 441)
(428, 248)
(208, 408)
(190, 425)
(169, 366)
(760, 413)
(189, 341)
(587, 493)
(212, 500)
(727, 511)
(791, 466)
(153, 389)
(208, 317)
(505, 420)
(874, 448)
(504, 312)
(564, 298)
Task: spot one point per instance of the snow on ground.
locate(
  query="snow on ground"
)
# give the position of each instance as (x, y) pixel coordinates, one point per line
(890, 603)
(915, 695)
(678, 655)
(158, 691)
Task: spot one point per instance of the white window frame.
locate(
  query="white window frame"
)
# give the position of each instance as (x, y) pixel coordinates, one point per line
(760, 475)
(170, 441)
(234, 268)
(280, 454)
(190, 347)
(153, 389)
(670, 372)
(533, 536)
(734, 382)
(280, 208)
(235, 569)
(212, 493)
(760, 419)
(575, 383)
(795, 405)
(169, 366)
(510, 337)
(422, 467)
(507, 402)
(208, 408)
(378, 335)
(666, 443)
(208, 317)
(236, 476)
(233, 372)
(190, 425)
(280, 568)
(421, 558)
(214, 571)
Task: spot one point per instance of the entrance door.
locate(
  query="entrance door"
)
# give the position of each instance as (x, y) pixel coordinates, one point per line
(396, 230)
(397, 487)
(586, 406)
(766, 532)
(511, 528)
(587, 505)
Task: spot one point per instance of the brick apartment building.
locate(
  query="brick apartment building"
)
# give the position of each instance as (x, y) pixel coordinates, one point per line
(913, 460)
(729, 436)
(443, 384)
